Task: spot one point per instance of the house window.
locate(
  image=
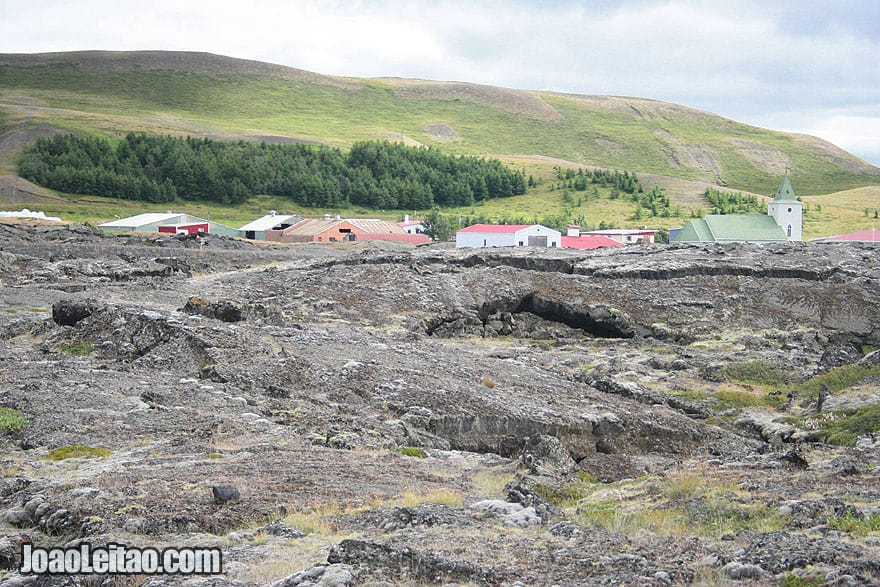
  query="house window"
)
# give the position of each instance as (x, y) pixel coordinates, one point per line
(484, 242)
(520, 243)
(553, 244)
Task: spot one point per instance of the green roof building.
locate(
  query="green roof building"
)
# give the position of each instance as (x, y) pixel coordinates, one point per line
(783, 222)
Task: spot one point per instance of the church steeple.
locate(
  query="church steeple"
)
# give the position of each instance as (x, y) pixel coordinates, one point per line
(787, 210)
(785, 193)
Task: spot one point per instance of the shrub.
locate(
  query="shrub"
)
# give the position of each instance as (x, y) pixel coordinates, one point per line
(77, 349)
(412, 451)
(856, 525)
(683, 486)
(11, 420)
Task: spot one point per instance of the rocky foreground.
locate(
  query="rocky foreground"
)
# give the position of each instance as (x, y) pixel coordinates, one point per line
(379, 415)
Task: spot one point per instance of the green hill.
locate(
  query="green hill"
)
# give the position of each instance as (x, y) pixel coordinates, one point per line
(199, 94)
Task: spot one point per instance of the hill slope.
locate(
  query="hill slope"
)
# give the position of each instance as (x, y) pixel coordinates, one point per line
(207, 95)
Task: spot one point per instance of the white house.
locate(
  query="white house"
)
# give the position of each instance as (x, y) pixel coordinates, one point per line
(508, 235)
(625, 236)
(411, 226)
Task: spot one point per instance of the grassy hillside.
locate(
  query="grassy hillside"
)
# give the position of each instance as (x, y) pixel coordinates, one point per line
(200, 94)
(677, 148)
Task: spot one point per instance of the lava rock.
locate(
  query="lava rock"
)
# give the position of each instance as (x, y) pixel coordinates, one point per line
(71, 312)
(225, 494)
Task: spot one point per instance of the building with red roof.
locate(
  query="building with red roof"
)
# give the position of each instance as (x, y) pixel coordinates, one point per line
(507, 235)
(860, 236)
(588, 242)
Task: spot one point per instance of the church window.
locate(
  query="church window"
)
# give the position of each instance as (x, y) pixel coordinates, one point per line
(789, 230)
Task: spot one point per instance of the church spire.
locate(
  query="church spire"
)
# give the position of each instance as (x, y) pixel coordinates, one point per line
(785, 193)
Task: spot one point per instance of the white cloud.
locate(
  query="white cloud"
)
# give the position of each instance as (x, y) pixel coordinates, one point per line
(857, 134)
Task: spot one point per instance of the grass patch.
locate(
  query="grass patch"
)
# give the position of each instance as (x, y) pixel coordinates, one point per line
(686, 503)
(77, 349)
(845, 427)
(712, 515)
(683, 486)
(489, 483)
(758, 373)
(716, 515)
(11, 420)
(310, 522)
(412, 451)
(836, 379)
(565, 495)
(730, 398)
(792, 580)
(77, 451)
(855, 525)
(411, 499)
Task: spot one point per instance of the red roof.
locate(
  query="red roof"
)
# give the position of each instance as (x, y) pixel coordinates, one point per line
(588, 242)
(414, 239)
(865, 236)
(503, 228)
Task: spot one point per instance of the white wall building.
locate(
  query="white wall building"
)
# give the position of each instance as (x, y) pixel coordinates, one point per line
(787, 211)
(507, 235)
(411, 226)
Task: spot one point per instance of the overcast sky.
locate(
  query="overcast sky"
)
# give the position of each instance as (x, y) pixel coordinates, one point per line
(809, 66)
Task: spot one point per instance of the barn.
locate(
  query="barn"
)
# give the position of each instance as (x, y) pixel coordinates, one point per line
(507, 235)
(185, 228)
(257, 229)
(168, 223)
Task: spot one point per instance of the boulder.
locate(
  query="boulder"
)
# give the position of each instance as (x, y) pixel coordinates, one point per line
(545, 456)
(223, 310)
(71, 312)
(225, 494)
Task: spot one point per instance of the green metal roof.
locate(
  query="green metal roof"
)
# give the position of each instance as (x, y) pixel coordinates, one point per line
(785, 193)
(731, 227)
(695, 231)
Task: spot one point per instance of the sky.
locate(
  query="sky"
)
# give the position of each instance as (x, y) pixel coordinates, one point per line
(809, 66)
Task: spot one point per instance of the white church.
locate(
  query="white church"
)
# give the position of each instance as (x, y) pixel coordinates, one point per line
(784, 222)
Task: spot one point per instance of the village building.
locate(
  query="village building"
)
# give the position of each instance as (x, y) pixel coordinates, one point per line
(625, 236)
(862, 236)
(411, 226)
(340, 230)
(507, 235)
(783, 222)
(574, 239)
(167, 222)
(257, 229)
